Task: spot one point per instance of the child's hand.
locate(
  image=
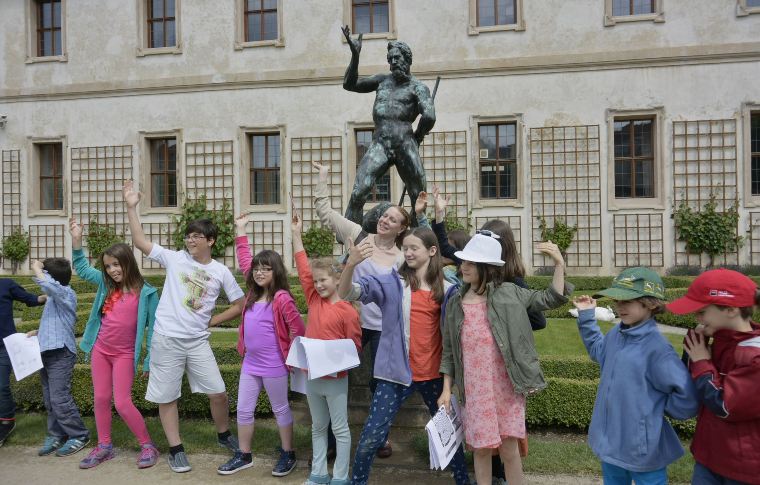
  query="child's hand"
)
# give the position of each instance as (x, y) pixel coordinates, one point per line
(445, 399)
(37, 265)
(242, 221)
(42, 299)
(440, 202)
(584, 302)
(296, 225)
(323, 171)
(359, 253)
(130, 197)
(33, 333)
(421, 205)
(75, 229)
(145, 374)
(697, 347)
(552, 250)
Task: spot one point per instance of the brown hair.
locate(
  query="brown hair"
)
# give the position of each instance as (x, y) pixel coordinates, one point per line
(513, 265)
(406, 223)
(748, 311)
(130, 277)
(459, 239)
(434, 274)
(486, 274)
(279, 278)
(658, 304)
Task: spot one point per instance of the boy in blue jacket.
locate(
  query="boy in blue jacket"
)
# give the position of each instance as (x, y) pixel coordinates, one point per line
(643, 380)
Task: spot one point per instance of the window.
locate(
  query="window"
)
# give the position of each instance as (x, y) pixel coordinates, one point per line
(746, 7)
(634, 158)
(370, 16)
(49, 28)
(51, 176)
(260, 20)
(754, 134)
(265, 169)
(382, 190)
(163, 172)
(161, 24)
(633, 11)
(631, 7)
(498, 161)
(753, 3)
(496, 12)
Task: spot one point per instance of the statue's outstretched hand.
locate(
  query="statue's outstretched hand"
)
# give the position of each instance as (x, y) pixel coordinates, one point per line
(354, 44)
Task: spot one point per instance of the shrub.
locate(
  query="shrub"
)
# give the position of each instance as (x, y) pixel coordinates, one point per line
(684, 270)
(15, 247)
(561, 234)
(197, 209)
(318, 241)
(544, 271)
(99, 238)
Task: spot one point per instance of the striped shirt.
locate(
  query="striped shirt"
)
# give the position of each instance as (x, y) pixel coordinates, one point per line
(58, 316)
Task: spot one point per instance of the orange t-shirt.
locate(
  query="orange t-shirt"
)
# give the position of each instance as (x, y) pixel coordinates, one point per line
(425, 342)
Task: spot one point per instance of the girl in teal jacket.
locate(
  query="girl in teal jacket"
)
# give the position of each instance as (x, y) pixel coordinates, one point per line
(125, 305)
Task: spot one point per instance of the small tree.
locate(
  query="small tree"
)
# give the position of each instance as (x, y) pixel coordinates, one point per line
(561, 234)
(16, 247)
(99, 238)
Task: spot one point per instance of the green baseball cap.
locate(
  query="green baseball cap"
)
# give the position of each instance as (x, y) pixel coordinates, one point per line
(634, 283)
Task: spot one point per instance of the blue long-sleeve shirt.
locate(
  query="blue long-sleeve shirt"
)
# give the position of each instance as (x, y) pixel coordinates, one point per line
(643, 380)
(11, 291)
(58, 317)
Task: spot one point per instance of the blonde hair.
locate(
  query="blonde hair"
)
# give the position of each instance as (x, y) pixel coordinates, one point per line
(333, 268)
(658, 304)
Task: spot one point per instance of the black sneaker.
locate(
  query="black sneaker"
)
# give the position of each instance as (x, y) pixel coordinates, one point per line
(286, 463)
(237, 463)
(230, 443)
(6, 426)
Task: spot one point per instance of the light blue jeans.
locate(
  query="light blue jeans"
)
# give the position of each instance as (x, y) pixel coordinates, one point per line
(614, 475)
(328, 401)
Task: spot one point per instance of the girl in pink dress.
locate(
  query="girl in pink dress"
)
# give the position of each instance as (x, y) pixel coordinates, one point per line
(488, 348)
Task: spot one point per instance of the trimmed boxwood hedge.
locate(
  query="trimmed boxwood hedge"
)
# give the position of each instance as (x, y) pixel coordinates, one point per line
(79, 326)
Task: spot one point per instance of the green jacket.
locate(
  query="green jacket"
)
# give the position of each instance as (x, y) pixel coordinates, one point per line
(146, 311)
(508, 308)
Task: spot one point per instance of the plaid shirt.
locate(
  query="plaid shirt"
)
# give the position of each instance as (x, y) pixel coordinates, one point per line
(58, 316)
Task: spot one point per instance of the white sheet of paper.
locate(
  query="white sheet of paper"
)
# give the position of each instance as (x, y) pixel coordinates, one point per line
(24, 354)
(297, 355)
(298, 381)
(328, 357)
(445, 434)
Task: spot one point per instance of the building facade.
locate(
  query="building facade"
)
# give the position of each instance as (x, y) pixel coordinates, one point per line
(602, 113)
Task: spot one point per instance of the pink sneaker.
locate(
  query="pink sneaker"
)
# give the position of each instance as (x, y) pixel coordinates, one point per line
(97, 456)
(148, 456)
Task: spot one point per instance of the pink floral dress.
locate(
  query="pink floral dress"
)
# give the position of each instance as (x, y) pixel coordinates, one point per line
(493, 409)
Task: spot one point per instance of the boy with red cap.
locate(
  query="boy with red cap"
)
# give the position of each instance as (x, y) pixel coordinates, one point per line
(726, 444)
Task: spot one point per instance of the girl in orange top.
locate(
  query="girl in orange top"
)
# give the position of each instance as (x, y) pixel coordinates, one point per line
(330, 318)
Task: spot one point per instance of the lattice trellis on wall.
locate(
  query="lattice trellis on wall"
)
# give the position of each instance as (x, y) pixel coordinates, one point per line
(45, 241)
(11, 194)
(565, 181)
(327, 151)
(158, 233)
(444, 156)
(97, 177)
(704, 163)
(209, 173)
(267, 235)
(515, 223)
(638, 240)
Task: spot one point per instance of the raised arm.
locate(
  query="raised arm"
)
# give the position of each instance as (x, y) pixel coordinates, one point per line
(427, 112)
(591, 334)
(305, 275)
(81, 264)
(342, 227)
(357, 254)
(131, 199)
(351, 81)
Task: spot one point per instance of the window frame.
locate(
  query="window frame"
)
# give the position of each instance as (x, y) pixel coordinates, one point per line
(266, 170)
(633, 158)
(245, 142)
(348, 19)
(496, 162)
(54, 177)
(475, 29)
(742, 10)
(165, 173)
(748, 110)
(33, 184)
(657, 116)
(241, 28)
(657, 15)
(520, 163)
(32, 43)
(371, 4)
(144, 155)
(41, 30)
(163, 20)
(142, 47)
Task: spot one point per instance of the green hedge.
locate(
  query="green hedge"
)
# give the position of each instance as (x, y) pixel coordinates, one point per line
(28, 393)
(79, 326)
(593, 283)
(573, 367)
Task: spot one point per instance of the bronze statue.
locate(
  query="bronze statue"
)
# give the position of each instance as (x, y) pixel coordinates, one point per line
(400, 98)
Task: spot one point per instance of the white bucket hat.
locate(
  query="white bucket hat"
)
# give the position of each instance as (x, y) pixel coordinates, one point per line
(482, 249)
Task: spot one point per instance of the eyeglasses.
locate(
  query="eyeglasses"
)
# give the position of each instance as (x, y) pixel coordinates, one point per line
(260, 270)
(194, 238)
(489, 234)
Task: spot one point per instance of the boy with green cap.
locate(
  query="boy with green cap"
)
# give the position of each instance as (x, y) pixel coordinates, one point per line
(643, 381)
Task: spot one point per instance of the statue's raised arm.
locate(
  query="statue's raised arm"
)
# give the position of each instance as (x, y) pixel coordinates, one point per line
(351, 81)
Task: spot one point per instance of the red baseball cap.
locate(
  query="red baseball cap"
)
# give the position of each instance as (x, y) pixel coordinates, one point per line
(716, 287)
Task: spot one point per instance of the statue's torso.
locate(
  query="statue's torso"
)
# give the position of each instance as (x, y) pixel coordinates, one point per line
(396, 103)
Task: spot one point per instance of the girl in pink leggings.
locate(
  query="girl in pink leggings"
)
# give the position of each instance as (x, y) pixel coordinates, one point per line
(271, 322)
(125, 306)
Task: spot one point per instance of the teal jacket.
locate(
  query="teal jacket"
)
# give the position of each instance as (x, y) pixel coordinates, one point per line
(146, 312)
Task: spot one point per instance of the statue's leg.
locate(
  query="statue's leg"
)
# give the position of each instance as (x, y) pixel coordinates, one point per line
(373, 165)
(412, 173)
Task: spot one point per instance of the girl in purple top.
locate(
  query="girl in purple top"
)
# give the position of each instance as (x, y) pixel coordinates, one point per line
(271, 322)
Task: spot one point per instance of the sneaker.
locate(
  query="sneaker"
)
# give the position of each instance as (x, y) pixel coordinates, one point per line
(51, 446)
(73, 445)
(148, 456)
(97, 456)
(231, 443)
(237, 463)
(178, 463)
(6, 426)
(285, 464)
(385, 450)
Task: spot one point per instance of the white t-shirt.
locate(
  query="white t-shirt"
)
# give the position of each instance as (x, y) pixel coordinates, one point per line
(190, 293)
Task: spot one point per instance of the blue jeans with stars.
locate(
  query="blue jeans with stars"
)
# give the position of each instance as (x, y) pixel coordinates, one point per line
(386, 402)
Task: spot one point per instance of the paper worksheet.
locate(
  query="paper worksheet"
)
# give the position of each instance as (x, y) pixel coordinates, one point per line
(445, 435)
(24, 354)
(323, 357)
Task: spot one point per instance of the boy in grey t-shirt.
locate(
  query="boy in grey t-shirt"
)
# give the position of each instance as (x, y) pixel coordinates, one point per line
(180, 337)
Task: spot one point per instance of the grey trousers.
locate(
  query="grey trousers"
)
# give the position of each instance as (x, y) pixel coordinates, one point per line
(64, 420)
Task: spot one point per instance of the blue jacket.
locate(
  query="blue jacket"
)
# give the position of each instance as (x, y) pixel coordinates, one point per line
(146, 311)
(643, 380)
(393, 296)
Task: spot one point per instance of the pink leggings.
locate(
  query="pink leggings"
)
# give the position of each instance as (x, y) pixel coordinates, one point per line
(248, 396)
(118, 373)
